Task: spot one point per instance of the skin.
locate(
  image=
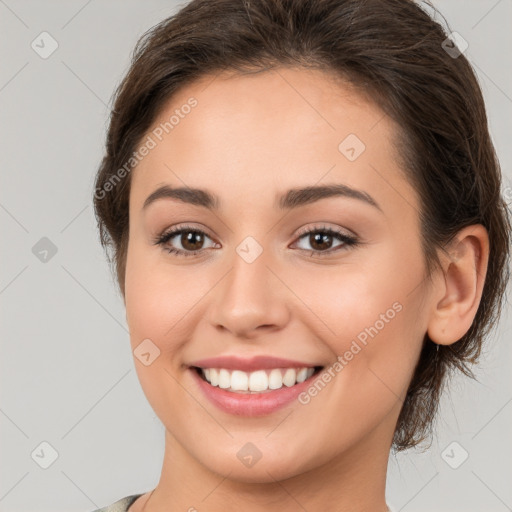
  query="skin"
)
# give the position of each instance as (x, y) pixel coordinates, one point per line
(251, 138)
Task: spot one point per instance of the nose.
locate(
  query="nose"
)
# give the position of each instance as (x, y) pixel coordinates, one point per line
(250, 300)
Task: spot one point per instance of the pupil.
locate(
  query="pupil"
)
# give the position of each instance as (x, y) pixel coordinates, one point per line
(190, 238)
(321, 240)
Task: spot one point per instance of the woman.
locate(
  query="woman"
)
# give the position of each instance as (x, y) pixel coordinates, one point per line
(302, 203)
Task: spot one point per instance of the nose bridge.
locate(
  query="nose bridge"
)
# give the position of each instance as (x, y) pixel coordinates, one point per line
(249, 296)
(250, 264)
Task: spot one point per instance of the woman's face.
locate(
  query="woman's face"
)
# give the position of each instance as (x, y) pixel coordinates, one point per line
(263, 278)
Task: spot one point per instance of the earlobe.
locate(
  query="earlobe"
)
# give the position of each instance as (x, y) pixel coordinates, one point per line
(457, 294)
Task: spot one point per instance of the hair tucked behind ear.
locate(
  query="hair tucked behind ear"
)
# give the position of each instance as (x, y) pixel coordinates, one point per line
(392, 51)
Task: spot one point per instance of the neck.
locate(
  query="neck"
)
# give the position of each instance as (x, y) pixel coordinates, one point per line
(352, 482)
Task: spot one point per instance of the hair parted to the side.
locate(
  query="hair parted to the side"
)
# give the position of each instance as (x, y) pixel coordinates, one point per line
(390, 50)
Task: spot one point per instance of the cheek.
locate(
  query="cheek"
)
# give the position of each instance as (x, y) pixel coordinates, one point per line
(354, 295)
(155, 308)
(372, 314)
(375, 333)
(159, 297)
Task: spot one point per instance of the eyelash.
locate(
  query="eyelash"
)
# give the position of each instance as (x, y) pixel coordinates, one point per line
(348, 241)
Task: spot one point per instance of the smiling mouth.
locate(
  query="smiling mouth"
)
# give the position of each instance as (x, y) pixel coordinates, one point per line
(259, 381)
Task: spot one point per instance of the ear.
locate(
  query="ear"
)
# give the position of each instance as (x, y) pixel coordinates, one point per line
(458, 292)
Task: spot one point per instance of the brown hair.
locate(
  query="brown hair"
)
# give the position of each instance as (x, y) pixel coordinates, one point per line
(392, 50)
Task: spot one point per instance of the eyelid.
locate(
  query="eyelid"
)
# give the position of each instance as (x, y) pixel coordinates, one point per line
(173, 230)
(323, 227)
(348, 239)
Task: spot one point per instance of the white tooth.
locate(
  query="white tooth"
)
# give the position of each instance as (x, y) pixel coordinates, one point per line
(310, 372)
(258, 381)
(302, 374)
(239, 381)
(206, 373)
(224, 379)
(275, 379)
(214, 377)
(289, 377)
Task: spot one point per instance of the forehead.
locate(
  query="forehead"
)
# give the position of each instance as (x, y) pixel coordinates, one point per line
(260, 130)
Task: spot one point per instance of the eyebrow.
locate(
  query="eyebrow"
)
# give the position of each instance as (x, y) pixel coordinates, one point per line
(293, 198)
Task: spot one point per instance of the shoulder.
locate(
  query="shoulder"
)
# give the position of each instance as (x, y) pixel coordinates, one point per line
(120, 505)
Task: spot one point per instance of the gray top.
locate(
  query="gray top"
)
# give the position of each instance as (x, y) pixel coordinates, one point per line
(123, 504)
(120, 505)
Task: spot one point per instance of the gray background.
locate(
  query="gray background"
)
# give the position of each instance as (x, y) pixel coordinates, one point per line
(67, 374)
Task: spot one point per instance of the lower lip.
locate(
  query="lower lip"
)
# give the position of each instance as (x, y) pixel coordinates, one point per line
(251, 404)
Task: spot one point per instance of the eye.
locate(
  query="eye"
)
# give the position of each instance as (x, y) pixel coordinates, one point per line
(190, 239)
(321, 240)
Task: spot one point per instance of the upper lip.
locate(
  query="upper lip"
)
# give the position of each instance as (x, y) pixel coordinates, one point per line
(250, 364)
